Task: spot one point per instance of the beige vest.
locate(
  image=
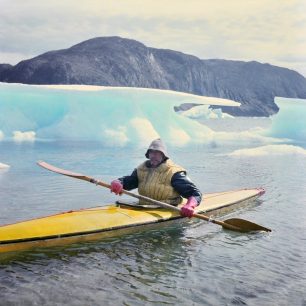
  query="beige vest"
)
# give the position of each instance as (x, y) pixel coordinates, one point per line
(155, 183)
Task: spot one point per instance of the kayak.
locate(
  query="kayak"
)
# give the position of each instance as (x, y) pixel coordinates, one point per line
(116, 219)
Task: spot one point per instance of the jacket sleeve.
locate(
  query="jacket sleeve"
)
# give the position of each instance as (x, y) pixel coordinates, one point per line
(185, 187)
(129, 182)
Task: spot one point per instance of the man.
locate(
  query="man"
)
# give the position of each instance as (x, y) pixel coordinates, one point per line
(160, 179)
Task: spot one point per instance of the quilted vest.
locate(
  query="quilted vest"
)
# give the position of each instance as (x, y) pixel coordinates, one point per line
(155, 183)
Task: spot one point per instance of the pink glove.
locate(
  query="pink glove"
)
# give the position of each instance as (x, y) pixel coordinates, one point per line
(116, 187)
(188, 209)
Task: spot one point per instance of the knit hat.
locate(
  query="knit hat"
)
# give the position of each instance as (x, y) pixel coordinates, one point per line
(157, 145)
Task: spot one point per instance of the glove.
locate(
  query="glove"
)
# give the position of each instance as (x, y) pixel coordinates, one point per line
(188, 209)
(116, 187)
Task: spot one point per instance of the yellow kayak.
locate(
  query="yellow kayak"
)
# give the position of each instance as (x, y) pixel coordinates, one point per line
(108, 221)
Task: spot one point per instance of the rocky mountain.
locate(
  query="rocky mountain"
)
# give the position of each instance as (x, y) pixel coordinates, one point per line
(4, 68)
(115, 61)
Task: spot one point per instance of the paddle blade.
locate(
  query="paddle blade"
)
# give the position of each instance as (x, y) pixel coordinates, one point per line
(59, 170)
(245, 226)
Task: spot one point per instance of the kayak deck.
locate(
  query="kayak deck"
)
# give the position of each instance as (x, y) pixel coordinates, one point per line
(106, 221)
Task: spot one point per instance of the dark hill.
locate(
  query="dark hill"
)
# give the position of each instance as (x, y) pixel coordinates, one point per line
(115, 61)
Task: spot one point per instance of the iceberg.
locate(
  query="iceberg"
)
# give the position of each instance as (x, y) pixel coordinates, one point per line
(290, 121)
(119, 116)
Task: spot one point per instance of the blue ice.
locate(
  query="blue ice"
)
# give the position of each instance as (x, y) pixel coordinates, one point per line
(125, 116)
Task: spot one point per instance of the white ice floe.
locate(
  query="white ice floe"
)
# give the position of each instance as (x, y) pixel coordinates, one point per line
(269, 150)
(24, 136)
(204, 112)
(4, 166)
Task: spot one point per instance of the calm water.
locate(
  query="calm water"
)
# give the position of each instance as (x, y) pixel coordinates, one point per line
(193, 264)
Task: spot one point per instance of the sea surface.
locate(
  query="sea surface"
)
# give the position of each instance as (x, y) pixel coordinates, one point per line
(195, 263)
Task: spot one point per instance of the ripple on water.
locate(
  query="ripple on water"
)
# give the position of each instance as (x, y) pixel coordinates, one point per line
(193, 264)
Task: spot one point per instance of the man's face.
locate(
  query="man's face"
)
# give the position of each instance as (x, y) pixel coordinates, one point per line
(156, 157)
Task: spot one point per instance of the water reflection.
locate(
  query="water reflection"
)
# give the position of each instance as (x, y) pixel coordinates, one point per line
(135, 262)
(191, 264)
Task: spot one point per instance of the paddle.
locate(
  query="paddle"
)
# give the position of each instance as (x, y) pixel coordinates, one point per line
(233, 224)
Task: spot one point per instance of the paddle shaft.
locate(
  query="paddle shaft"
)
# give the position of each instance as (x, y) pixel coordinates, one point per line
(156, 202)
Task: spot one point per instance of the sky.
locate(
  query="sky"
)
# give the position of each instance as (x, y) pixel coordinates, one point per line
(267, 31)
